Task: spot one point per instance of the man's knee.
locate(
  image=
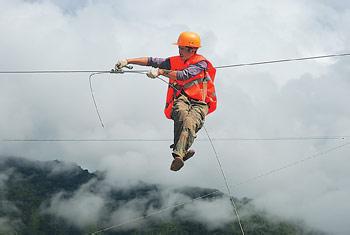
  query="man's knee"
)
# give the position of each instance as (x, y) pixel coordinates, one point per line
(179, 115)
(189, 125)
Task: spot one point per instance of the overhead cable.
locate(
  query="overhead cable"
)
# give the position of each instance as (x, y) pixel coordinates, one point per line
(143, 71)
(301, 138)
(283, 60)
(71, 71)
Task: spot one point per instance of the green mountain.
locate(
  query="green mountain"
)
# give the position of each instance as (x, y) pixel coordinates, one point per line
(40, 198)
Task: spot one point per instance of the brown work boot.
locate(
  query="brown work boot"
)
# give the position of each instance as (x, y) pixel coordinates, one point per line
(189, 154)
(177, 163)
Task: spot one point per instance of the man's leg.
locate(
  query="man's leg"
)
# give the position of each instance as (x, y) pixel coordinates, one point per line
(186, 129)
(193, 123)
(179, 114)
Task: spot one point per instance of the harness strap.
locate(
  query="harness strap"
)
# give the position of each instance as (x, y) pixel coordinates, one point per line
(176, 90)
(204, 90)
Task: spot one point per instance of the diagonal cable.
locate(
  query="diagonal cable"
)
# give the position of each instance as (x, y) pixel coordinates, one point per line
(292, 164)
(154, 213)
(234, 206)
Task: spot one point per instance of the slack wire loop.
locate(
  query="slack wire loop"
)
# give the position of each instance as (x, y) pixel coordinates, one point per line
(103, 72)
(93, 97)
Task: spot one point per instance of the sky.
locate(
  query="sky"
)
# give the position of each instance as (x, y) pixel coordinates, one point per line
(296, 99)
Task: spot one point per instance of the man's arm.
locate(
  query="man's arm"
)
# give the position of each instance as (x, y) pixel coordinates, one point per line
(168, 73)
(164, 67)
(164, 64)
(185, 74)
(139, 61)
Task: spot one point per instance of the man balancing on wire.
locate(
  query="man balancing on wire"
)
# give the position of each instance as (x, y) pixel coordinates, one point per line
(191, 92)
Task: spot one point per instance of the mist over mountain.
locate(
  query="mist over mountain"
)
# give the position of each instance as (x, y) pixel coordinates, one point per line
(56, 197)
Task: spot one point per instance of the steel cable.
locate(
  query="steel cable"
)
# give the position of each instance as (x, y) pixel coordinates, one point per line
(300, 138)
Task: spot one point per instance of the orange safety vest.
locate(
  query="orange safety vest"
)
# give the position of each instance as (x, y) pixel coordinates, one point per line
(200, 87)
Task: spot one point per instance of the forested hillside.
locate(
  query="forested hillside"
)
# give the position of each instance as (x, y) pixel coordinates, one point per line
(36, 198)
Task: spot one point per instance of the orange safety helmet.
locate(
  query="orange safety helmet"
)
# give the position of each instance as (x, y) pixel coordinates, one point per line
(189, 39)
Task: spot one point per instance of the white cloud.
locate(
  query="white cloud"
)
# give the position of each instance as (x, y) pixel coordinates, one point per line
(213, 214)
(5, 226)
(165, 204)
(3, 179)
(129, 215)
(82, 209)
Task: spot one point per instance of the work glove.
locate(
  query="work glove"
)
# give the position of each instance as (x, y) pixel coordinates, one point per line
(121, 63)
(153, 73)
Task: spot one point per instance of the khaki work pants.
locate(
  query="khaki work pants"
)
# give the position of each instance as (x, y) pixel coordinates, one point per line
(188, 119)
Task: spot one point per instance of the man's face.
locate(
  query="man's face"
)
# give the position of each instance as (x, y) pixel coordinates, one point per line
(186, 52)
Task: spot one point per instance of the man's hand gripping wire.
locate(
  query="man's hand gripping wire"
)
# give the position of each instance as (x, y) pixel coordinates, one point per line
(118, 68)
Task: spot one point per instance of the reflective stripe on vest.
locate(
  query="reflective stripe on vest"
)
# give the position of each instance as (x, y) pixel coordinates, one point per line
(196, 82)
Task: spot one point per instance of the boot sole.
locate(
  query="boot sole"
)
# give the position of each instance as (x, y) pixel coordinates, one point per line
(177, 164)
(188, 155)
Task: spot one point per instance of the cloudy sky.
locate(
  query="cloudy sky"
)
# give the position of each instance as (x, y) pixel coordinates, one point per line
(297, 99)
